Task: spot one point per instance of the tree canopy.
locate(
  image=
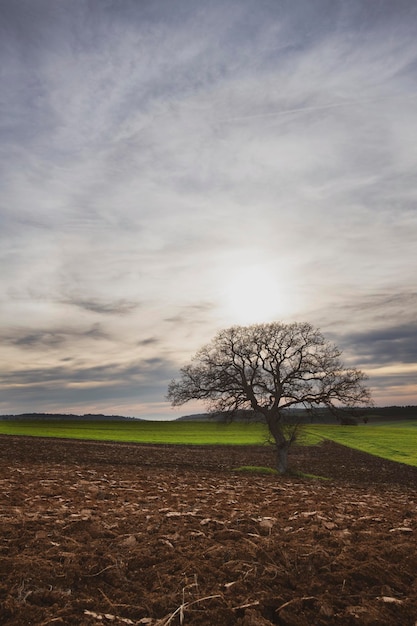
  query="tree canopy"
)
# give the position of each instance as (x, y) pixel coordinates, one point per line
(269, 368)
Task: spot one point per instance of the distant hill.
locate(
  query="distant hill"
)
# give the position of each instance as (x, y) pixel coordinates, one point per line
(66, 417)
(196, 417)
(323, 416)
(239, 416)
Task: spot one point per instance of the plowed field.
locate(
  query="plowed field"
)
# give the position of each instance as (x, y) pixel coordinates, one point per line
(102, 533)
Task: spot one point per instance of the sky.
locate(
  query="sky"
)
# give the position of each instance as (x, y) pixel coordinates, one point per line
(169, 169)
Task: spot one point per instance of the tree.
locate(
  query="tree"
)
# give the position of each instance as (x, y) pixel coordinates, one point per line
(270, 368)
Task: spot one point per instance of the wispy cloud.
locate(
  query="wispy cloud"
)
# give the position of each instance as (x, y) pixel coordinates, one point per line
(51, 338)
(120, 307)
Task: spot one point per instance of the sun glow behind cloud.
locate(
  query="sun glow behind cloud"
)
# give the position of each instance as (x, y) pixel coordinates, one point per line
(254, 293)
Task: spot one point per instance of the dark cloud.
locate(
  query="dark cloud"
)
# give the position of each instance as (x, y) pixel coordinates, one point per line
(393, 381)
(146, 370)
(379, 328)
(192, 314)
(37, 389)
(48, 397)
(51, 338)
(112, 307)
(149, 341)
(36, 339)
(382, 346)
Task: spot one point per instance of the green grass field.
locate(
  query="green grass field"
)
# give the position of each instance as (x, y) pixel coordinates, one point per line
(395, 441)
(196, 433)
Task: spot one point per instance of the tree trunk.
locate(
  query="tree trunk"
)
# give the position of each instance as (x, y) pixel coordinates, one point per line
(282, 457)
(282, 443)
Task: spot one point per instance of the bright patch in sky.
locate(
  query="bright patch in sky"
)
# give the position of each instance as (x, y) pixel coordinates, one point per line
(254, 294)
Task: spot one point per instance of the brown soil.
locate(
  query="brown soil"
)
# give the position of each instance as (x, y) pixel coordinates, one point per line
(106, 533)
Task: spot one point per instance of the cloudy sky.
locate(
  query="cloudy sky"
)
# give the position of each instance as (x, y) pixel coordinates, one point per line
(168, 169)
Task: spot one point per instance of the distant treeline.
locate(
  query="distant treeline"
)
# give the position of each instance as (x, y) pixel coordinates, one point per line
(88, 417)
(318, 416)
(303, 416)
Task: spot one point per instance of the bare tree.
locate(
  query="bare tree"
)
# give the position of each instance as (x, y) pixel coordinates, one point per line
(269, 368)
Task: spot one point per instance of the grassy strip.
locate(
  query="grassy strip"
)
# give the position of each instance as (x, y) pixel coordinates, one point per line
(195, 433)
(396, 443)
